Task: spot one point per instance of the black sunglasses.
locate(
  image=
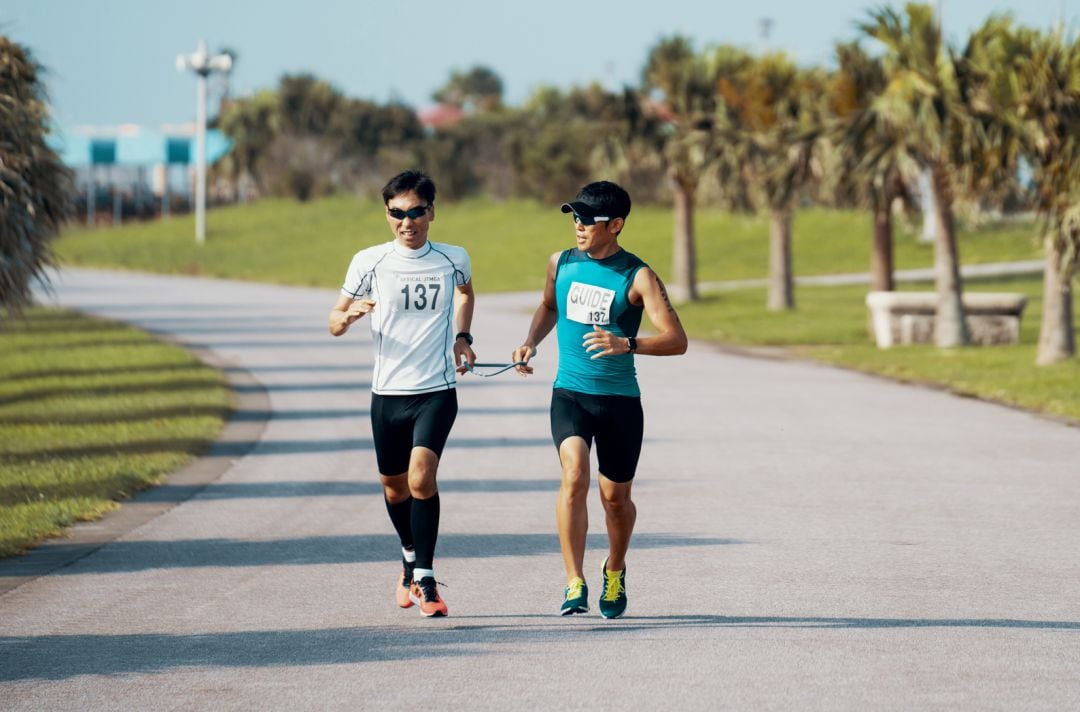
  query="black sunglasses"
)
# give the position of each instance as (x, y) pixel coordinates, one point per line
(414, 213)
(590, 221)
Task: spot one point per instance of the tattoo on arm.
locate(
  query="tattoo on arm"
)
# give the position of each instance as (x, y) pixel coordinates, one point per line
(663, 292)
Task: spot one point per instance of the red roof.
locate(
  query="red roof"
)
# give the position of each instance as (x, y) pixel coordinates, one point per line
(440, 115)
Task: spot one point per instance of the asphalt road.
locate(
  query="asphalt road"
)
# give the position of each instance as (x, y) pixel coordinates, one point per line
(808, 538)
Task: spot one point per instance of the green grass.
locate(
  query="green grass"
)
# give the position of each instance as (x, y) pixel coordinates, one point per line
(310, 244)
(90, 412)
(1005, 374)
(830, 324)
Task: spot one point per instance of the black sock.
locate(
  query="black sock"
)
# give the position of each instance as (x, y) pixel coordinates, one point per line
(400, 515)
(425, 529)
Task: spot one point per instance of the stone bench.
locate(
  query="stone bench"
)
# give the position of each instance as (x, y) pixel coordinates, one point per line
(908, 317)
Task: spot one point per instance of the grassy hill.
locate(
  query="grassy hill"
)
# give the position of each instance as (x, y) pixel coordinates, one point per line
(310, 244)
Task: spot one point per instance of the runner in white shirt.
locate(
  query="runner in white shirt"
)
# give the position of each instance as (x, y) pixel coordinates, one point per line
(420, 297)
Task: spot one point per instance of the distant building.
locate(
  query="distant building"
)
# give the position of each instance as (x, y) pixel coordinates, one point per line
(133, 171)
(440, 116)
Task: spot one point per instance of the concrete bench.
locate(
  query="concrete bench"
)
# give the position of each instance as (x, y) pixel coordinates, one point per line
(908, 317)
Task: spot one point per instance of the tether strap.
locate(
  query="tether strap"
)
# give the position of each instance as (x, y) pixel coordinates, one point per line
(502, 368)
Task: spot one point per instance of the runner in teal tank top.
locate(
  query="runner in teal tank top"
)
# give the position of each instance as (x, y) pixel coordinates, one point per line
(595, 296)
(591, 292)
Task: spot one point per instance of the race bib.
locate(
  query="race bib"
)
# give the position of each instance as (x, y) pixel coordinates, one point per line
(419, 293)
(589, 304)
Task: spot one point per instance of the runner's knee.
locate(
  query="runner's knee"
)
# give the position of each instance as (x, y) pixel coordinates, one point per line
(395, 488)
(615, 496)
(423, 466)
(575, 470)
(575, 482)
(618, 506)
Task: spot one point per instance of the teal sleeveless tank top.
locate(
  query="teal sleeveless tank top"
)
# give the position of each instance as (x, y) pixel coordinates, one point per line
(596, 292)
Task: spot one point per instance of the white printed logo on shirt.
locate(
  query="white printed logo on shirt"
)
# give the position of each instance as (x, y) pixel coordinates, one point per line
(589, 304)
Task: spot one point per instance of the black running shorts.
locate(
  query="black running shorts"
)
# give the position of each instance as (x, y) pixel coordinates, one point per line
(616, 422)
(400, 423)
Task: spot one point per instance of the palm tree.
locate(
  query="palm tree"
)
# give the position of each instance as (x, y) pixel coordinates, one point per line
(35, 187)
(781, 111)
(687, 86)
(875, 166)
(1046, 74)
(1023, 87)
(922, 100)
(251, 123)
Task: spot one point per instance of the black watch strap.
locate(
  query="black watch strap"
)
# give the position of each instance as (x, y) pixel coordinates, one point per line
(631, 343)
(464, 335)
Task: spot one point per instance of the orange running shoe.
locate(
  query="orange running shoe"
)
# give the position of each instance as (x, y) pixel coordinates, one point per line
(405, 584)
(425, 593)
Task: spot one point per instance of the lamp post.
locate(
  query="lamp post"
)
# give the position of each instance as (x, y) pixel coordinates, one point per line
(765, 25)
(202, 64)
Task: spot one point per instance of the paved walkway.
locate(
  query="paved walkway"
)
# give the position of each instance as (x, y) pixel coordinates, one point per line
(1025, 268)
(808, 538)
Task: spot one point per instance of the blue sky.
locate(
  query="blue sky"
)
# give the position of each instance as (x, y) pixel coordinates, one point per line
(113, 61)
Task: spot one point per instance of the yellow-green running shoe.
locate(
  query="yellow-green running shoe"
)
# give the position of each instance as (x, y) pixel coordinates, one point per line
(613, 593)
(575, 598)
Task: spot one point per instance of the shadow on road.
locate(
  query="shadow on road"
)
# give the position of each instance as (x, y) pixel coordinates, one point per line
(127, 556)
(235, 449)
(59, 657)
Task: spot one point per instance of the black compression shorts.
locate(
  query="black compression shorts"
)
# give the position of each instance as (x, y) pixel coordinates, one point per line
(400, 423)
(616, 422)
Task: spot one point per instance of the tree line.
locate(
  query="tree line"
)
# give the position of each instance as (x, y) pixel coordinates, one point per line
(727, 127)
(749, 132)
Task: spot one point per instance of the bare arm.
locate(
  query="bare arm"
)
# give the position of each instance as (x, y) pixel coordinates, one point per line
(347, 310)
(649, 291)
(543, 320)
(671, 339)
(464, 301)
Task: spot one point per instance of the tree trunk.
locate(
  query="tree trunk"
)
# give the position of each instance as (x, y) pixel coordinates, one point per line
(881, 259)
(950, 328)
(930, 229)
(684, 286)
(781, 279)
(1057, 338)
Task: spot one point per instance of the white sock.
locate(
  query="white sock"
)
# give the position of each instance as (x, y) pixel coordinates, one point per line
(418, 574)
(409, 555)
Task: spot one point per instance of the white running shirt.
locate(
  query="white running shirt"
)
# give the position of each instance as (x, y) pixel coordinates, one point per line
(413, 320)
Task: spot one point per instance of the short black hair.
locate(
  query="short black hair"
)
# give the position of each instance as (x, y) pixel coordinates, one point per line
(607, 195)
(416, 181)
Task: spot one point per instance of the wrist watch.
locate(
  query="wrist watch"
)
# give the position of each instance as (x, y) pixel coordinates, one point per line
(464, 335)
(631, 344)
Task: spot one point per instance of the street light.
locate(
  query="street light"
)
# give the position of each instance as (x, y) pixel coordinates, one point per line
(202, 64)
(765, 25)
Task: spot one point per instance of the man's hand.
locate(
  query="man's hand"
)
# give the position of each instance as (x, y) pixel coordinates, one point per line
(605, 343)
(523, 353)
(359, 308)
(343, 315)
(463, 355)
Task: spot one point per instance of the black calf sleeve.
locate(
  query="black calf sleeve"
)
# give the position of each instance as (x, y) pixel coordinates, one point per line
(400, 516)
(425, 529)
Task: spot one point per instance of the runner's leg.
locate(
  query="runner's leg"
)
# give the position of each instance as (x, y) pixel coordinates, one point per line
(620, 514)
(571, 510)
(393, 441)
(434, 417)
(423, 466)
(618, 448)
